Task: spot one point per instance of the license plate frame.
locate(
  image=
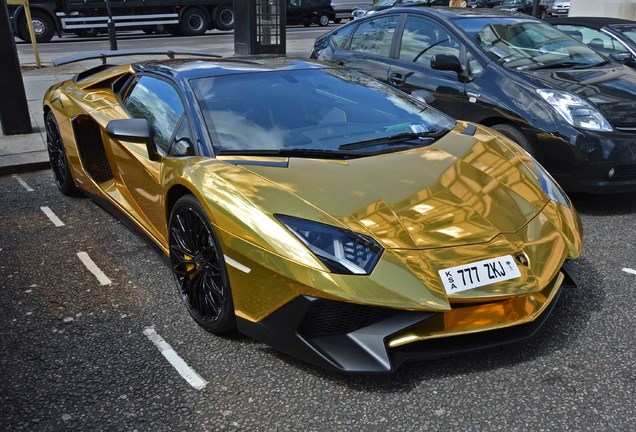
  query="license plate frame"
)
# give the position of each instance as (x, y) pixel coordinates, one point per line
(478, 274)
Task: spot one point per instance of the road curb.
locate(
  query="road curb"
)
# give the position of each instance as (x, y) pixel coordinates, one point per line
(25, 167)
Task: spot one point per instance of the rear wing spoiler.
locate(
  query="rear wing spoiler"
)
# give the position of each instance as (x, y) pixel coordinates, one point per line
(105, 55)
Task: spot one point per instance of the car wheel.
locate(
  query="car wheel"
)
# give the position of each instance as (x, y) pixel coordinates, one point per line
(199, 267)
(516, 135)
(323, 20)
(43, 27)
(225, 19)
(57, 156)
(194, 22)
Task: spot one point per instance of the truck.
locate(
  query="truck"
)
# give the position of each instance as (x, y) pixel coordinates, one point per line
(89, 17)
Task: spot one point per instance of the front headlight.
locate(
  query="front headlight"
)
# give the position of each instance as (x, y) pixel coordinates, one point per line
(551, 187)
(575, 110)
(342, 251)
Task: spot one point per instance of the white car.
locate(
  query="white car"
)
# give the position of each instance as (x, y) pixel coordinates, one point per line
(559, 8)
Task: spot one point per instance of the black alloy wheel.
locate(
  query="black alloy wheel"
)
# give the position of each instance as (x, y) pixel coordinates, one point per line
(199, 267)
(57, 156)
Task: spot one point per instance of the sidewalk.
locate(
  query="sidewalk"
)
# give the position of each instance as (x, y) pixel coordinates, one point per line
(20, 153)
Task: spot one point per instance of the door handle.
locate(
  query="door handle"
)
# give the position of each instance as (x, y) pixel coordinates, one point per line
(396, 79)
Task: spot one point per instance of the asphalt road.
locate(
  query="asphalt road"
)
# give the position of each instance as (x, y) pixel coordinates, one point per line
(75, 356)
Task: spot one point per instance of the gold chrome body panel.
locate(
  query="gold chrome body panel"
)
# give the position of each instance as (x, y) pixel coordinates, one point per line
(461, 200)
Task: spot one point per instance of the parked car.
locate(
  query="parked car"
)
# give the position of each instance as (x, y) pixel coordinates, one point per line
(316, 209)
(484, 3)
(387, 4)
(611, 36)
(344, 8)
(558, 8)
(560, 100)
(308, 12)
(524, 6)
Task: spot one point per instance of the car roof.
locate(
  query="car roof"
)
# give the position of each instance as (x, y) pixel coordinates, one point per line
(592, 22)
(450, 13)
(190, 68)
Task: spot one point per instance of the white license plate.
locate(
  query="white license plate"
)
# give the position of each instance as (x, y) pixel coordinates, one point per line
(479, 273)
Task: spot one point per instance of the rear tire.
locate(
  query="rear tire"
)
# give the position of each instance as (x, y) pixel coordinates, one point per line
(225, 18)
(194, 22)
(57, 156)
(516, 135)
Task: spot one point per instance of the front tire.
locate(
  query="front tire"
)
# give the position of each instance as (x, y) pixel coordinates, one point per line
(199, 267)
(57, 156)
(323, 20)
(516, 135)
(43, 27)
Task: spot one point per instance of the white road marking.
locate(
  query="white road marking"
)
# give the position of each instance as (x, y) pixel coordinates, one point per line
(90, 265)
(52, 216)
(236, 264)
(630, 271)
(23, 183)
(189, 374)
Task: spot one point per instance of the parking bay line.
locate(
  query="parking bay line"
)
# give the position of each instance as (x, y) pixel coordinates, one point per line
(52, 216)
(92, 267)
(189, 374)
(630, 271)
(23, 183)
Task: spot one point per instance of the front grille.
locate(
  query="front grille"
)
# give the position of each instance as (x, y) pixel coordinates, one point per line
(625, 173)
(328, 318)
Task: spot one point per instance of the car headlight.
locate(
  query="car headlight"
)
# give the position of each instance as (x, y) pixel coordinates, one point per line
(575, 110)
(551, 187)
(342, 251)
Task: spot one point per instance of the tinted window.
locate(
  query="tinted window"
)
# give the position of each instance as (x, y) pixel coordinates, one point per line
(159, 103)
(340, 36)
(317, 109)
(183, 143)
(422, 39)
(627, 30)
(594, 38)
(375, 36)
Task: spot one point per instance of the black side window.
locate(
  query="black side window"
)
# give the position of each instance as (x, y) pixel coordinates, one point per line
(375, 36)
(158, 102)
(422, 39)
(340, 36)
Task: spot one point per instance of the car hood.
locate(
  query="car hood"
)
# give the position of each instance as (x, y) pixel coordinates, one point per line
(612, 89)
(459, 191)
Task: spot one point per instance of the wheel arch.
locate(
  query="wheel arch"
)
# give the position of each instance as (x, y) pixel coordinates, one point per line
(174, 193)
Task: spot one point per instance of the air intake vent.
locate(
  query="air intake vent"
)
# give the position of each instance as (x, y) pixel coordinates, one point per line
(91, 149)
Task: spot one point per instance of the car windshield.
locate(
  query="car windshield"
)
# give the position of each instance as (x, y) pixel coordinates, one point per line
(627, 30)
(313, 110)
(524, 44)
(386, 3)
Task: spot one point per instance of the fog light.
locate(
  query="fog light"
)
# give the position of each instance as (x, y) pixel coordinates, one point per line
(611, 173)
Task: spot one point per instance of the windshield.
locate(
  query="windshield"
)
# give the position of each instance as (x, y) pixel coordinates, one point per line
(523, 44)
(628, 31)
(385, 3)
(319, 110)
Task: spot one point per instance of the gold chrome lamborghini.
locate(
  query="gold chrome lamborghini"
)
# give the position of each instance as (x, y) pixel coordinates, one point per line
(318, 210)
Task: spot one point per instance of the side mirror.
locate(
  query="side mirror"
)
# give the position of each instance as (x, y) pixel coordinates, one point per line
(621, 57)
(447, 62)
(134, 130)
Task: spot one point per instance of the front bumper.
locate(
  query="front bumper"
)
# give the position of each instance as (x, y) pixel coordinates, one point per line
(584, 161)
(354, 338)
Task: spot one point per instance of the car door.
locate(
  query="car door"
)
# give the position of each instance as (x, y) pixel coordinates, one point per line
(370, 46)
(422, 38)
(140, 178)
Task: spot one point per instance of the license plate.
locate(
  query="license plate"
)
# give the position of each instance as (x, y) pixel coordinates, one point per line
(479, 273)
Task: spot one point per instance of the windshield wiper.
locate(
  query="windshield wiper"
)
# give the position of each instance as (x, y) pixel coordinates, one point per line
(567, 64)
(426, 138)
(308, 153)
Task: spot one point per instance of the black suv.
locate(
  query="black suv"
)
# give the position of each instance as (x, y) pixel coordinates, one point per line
(308, 12)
